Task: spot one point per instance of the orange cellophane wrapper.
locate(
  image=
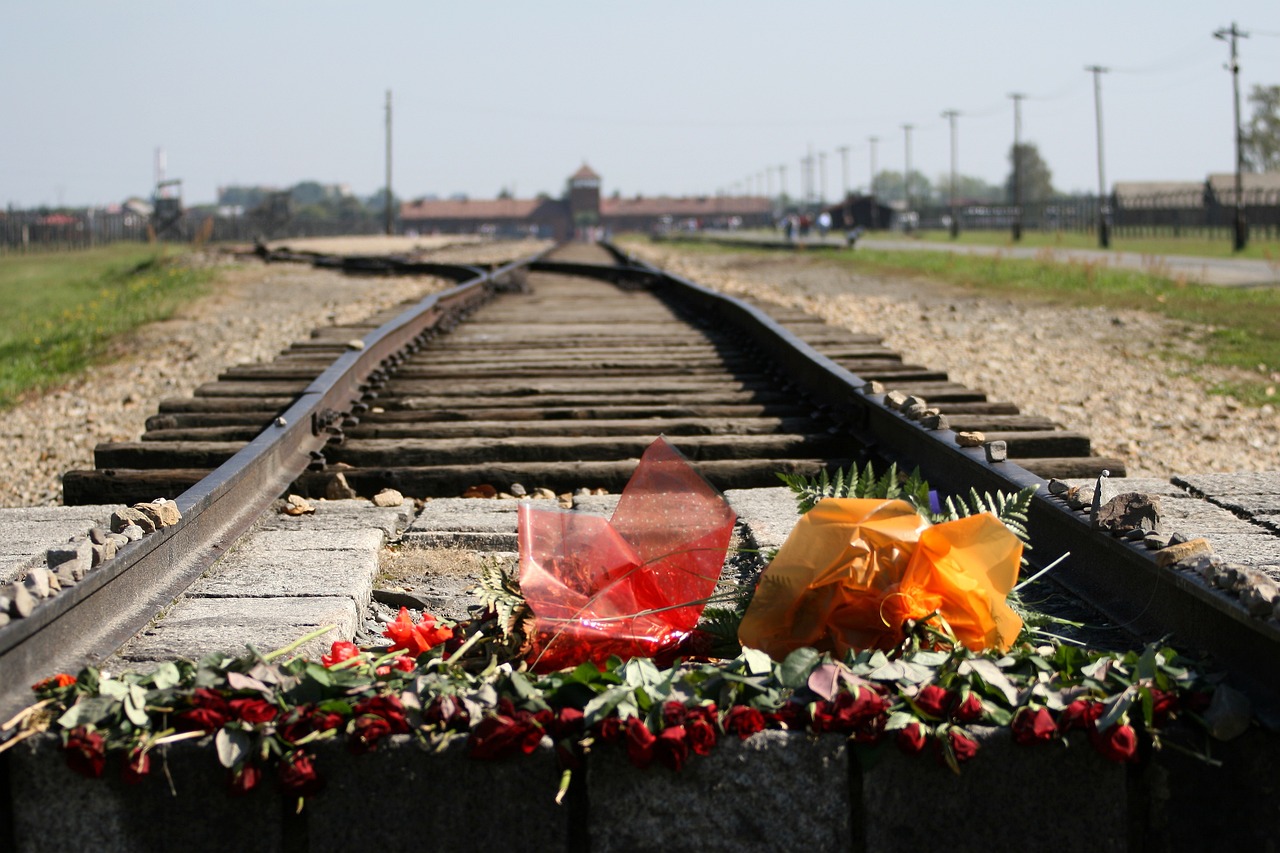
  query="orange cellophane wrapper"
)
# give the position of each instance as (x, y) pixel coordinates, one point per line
(854, 570)
(632, 586)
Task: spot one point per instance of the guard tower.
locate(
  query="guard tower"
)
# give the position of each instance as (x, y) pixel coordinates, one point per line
(584, 197)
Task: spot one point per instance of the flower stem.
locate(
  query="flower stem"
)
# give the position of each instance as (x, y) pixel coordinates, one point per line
(320, 632)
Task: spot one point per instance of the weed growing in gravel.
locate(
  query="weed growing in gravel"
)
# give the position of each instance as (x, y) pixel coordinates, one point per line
(62, 311)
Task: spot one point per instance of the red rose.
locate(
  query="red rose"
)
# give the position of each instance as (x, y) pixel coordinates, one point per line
(639, 742)
(86, 752)
(1164, 704)
(1033, 726)
(1080, 715)
(934, 701)
(823, 720)
(298, 776)
(911, 738)
(609, 729)
(701, 736)
(209, 711)
(792, 716)
(295, 725)
(243, 780)
(136, 766)
(743, 721)
(963, 746)
(340, 651)
(389, 708)
(672, 747)
(415, 639)
(566, 723)
(254, 710)
(366, 731)
(970, 710)
(323, 721)
(672, 714)
(1117, 743)
(498, 736)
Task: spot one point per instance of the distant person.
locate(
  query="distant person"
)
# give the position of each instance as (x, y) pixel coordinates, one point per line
(824, 223)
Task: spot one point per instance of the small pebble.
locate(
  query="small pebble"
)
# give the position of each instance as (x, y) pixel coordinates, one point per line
(970, 439)
(997, 451)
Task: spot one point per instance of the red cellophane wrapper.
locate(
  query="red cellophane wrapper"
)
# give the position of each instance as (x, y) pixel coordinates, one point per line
(632, 586)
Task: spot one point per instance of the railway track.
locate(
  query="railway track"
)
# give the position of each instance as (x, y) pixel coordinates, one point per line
(561, 386)
(556, 371)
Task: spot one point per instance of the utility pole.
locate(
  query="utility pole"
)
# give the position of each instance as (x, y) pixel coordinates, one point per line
(871, 188)
(782, 182)
(1104, 227)
(844, 171)
(955, 219)
(1241, 227)
(389, 216)
(1017, 165)
(906, 180)
(822, 179)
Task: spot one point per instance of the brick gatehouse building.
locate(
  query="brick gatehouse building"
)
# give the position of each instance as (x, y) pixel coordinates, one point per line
(581, 209)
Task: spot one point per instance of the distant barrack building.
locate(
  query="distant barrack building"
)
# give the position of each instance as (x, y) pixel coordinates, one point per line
(581, 209)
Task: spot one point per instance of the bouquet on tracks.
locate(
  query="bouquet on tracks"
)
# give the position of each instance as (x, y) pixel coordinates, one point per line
(885, 619)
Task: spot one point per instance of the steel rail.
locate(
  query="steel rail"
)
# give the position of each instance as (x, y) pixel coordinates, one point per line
(1119, 578)
(89, 621)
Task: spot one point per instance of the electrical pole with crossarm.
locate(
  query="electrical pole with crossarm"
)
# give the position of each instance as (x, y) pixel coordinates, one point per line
(1241, 229)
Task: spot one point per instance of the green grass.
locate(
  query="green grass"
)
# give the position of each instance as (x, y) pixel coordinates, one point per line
(1259, 248)
(62, 311)
(1242, 325)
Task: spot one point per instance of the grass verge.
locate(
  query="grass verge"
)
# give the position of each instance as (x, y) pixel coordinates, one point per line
(63, 310)
(1242, 326)
(1259, 247)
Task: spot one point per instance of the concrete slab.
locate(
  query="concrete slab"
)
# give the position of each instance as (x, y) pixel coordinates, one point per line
(490, 805)
(182, 805)
(27, 532)
(1244, 482)
(910, 802)
(342, 515)
(271, 569)
(485, 525)
(731, 800)
(769, 514)
(195, 627)
(1259, 550)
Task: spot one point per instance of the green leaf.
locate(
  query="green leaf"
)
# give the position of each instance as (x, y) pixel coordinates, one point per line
(758, 662)
(89, 711)
(794, 671)
(600, 707)
(114, 689)
(165, 676)
(992, 676)
(233, 746)
(900, 720)
(135, 705)
(320, 674)
(1116, 708)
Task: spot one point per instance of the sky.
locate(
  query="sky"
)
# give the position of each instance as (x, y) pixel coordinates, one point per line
(681, 97)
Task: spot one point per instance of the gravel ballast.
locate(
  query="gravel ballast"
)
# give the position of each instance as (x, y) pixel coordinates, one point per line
(1116, 376)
